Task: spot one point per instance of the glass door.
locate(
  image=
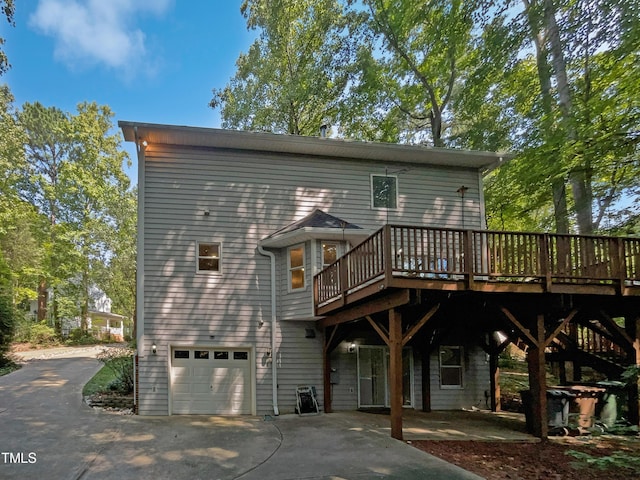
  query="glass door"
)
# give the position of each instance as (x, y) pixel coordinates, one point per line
(373, 376)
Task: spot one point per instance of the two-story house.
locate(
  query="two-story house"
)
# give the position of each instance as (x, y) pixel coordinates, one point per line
(267, 262)
(232, 228)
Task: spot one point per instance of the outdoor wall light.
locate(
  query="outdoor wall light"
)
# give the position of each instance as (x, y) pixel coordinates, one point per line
(351, 348)
(154, 348)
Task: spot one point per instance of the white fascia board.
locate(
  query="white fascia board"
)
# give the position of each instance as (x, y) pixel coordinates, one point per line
(355, 236)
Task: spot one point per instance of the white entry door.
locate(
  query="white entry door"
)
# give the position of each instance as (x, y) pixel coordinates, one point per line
(373, 376)
(211, 381)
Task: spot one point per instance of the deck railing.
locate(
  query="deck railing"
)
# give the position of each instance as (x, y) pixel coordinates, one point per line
(397, 251)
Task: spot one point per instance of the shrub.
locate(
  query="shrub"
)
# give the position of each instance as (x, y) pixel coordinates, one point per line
(120, 361)
(7, 324)
(42, 334)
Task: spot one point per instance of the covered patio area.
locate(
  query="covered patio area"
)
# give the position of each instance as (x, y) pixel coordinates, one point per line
(476, 425)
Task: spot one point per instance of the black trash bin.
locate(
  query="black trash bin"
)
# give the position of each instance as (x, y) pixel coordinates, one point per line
(558, 407)
(527, 399)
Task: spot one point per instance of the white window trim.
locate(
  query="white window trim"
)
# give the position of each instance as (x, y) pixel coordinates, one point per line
(461, 367)
(329, 242)
(303, 267)
(197, 266)
(373, 207)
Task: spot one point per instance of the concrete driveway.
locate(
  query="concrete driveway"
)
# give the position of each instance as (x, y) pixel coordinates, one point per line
(47, 432)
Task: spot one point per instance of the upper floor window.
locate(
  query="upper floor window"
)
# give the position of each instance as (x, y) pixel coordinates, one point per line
(329, 253)
(296, 267)
(451, 367)
(384, 191)
(208, 257)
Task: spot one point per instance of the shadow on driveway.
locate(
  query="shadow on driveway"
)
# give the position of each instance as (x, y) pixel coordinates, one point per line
(47, 432)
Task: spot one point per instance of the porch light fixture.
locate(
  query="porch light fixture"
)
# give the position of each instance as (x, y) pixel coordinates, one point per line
(154, 348)
(351, 348)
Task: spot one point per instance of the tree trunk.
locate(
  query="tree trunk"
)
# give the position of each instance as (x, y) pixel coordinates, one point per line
(558, 188)
(43, 299)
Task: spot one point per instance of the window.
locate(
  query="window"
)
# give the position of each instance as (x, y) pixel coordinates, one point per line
(201, 354)
(384, 191)
(450, 367)
(296, 267)
(208, 257)
(219, 355)
(329, 253)
(181, 354)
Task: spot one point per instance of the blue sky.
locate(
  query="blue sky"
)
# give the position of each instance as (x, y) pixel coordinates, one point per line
(150, 60)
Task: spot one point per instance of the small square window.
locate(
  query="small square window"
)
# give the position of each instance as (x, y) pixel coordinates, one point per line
(384, 191)
(201, 354)
(181, 354)
(221, 355)
(208, 257)
(241, 355)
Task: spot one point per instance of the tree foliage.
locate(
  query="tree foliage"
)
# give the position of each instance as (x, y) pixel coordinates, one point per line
(554, 81)
(409, 70)
(8, 8)
(64, 203)
(293, 77)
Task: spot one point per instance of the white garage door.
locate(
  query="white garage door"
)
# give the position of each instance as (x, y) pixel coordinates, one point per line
(211, 381)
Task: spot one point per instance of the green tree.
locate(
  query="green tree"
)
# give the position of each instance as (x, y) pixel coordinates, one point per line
(576, 128)
(95, 185)
(118, 272)
(293, 76)
(19, 222)
(8, 9)
(74, 177)
(7, 311)
(409, 70)
(47, 148)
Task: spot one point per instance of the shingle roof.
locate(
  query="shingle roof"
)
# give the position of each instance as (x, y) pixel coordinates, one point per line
(316, 219)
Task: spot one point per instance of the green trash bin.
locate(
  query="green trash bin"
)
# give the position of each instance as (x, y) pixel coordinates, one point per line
(613, 402)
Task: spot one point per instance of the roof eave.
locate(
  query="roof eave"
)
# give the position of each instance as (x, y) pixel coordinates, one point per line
(304, 145)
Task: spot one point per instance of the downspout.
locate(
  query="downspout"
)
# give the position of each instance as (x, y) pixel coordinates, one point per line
(139, 323)
(274, 367)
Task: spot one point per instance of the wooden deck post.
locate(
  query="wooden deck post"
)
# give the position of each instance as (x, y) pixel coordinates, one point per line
(326, 357)
(634, 397)
(426, 380)
(538, 382)
(495, 382)
(395, 371)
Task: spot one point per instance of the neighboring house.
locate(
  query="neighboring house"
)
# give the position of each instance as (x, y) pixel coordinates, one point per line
(101, 323)
(219, 209)
(267, 262)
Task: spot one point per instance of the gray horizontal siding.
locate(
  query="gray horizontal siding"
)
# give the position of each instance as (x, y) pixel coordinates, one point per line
(248, 198)
(300, 361)
(475, 380)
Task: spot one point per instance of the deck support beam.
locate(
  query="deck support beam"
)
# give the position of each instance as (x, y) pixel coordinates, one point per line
(538, 382)
(395, 369)
(633, 328)
(326, 363)
(426, 380)
(495, 382)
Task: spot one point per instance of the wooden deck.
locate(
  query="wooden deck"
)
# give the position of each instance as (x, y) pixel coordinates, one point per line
(414, 257)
